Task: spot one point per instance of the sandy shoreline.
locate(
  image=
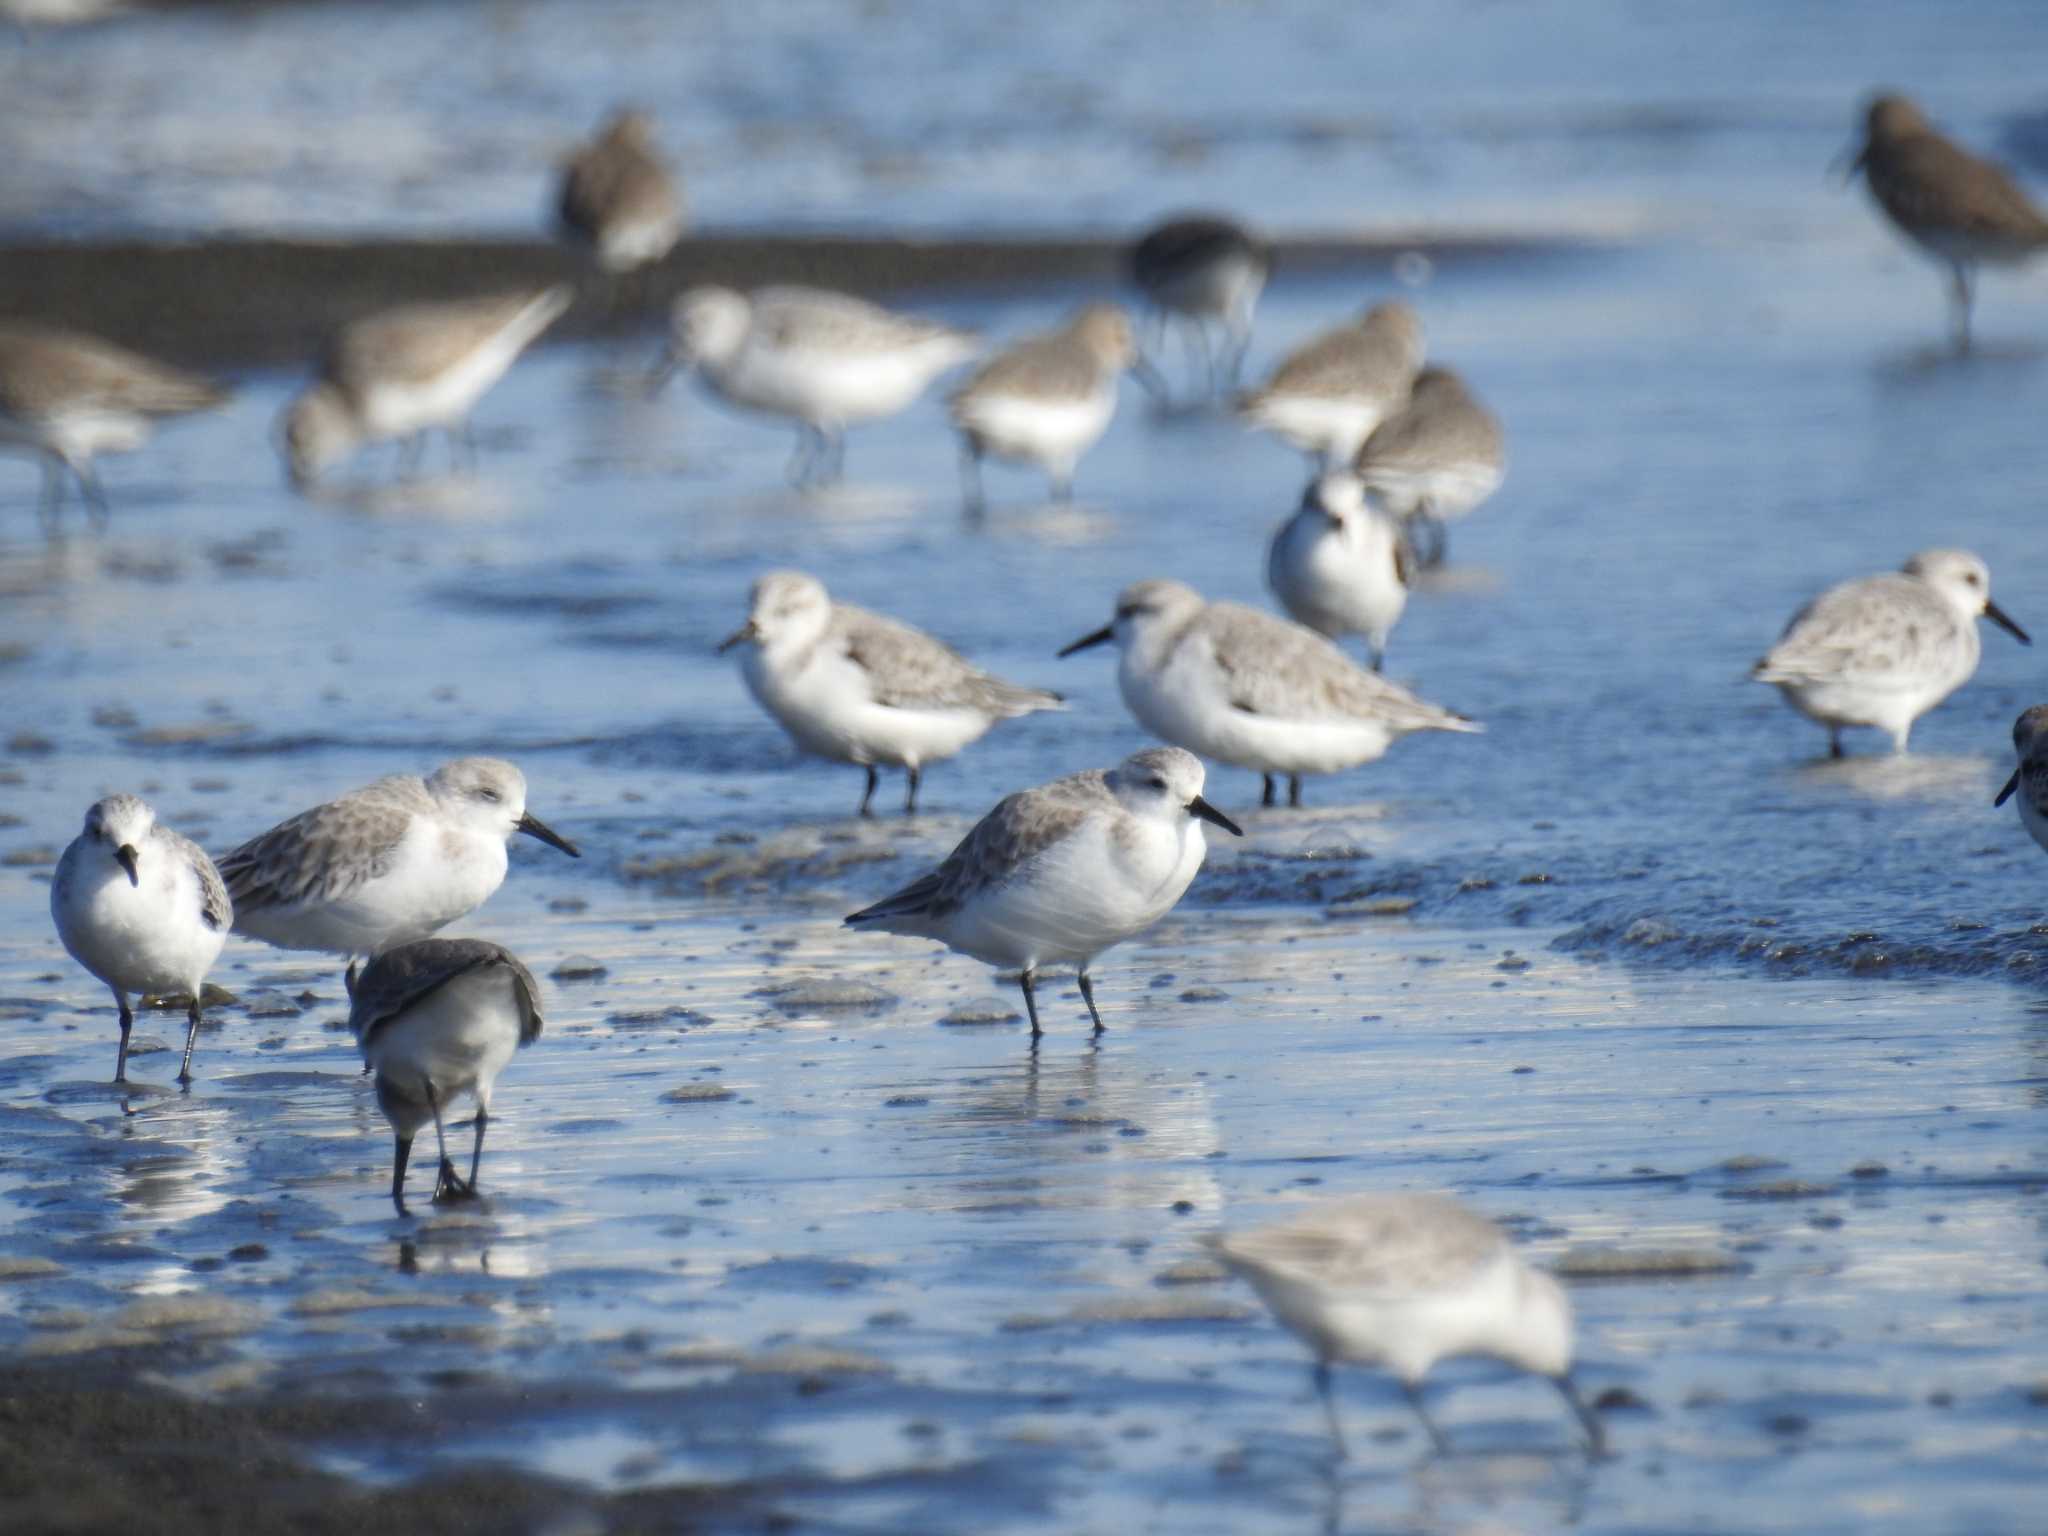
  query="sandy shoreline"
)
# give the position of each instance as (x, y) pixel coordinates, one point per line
(253, 302)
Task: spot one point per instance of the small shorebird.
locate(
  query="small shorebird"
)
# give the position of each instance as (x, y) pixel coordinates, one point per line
(1046, 400)
(1246, 688)
(436, 1019)
(386, 864)
(1202, 270)
(619, 199)
(1057, 874)
(1959, 207)
(1328, 394)
(1399, 1282)
(405, 371)
(1340, 565)
(1435, 459)
(67, 398)
(826, 361)
(855, 687)
(2030, 778)
(1884, 650)
(143, 909)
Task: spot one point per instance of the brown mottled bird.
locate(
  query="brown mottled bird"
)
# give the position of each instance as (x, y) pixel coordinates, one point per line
(67, 397)
(618, 198)
(1957, 206)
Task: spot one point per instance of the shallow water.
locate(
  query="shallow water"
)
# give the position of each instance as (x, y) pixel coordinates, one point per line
(891, 1266)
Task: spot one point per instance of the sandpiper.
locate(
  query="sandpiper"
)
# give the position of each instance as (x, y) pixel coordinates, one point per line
(856, 687)
(1057, 874)
(2030, 778)
(143, 909)
(1959, 207)
(619, 199)
(436, 1019)
(1328, 395)
(826, 361)
(66, 398)
(1401, 1281)
(1883, 650)
(1340, 565)
(1253, 690)
(1046, 399)
(1202, 270)
(406, 371)
(1434, 460)
(386, 864)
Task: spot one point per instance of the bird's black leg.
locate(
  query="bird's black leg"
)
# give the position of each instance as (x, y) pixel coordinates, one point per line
(1326, 1389)
(476, 1151)
(50, 505)
(1596, 1432)
(448, 1184)
(1835, 742)
(410, 453)
(806, 455)
(399, 1158)
(1294, 789)
(836, 471)
(95, 495)
(1268, 798)
(1960, 297)
(1088, 997)
(910, 798)
(973, 497)
(1030, 1005)
(127, 1024)
(1063, 488)
(868, 795)
(1437, 1441)
(191, 1036)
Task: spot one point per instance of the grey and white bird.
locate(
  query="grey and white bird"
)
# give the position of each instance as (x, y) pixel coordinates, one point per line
(1055, 875)
(1962, 209)
(1340, 565)
(2030, 778)
(436, 1019)
(826, 361)
(1246, 688)
(1047, 399)
(386, 864)
(1883, 650)
(1330, 393)
(1400, 1281)
(619, 199)
(404, 372)
(1202, 270)
(852, 686)
(143, 909)
(67, 398)
(1434, 460)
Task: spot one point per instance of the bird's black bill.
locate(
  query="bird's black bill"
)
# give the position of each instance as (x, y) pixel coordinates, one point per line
(2003, 620)
(1101, 636)
(1849, 162)
(533, 826)
(740, 636)
(125, 857)
(2011, 784)
(657, 381)
(1207, 812)
(1149, 378)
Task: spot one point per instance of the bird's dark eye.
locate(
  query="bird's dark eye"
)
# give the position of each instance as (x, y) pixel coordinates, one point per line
(1156, 782)
(491, 795)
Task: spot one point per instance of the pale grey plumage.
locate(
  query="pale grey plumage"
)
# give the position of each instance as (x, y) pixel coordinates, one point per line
(1391, 1243)
(1889, 627)
(619, 197)
(1374, 356)
(397, 979)
(417, 343)
(44, 370)
(1272, 667)
(908, 669)
(1442, 425)
(329, 850)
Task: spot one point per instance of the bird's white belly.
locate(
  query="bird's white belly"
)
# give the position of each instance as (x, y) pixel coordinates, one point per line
(458, 1039)
(1334, 428)
(1449, 492)
(437, 875)
(628, 243)
(827, 388)
(1333, 586)
(140, 939)
(393, 409)
(1184, 704)
(829, 711)
(1050, 433)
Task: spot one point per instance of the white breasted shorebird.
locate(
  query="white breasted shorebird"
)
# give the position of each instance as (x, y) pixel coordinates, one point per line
(855, 687)
(67, 398)
(1434, 460)
(386, 864)
(406, 371)
(1201, 270)
(1246, 688)
(1340, 565)
(1047, 399)
(143, 909)
(437, 1019)
(1328, 394)
(1057, 874)
(1399, 1282)
(2030, 778)
(826, 361)
(1883, 650)
(619, 199)
(1959, 207)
